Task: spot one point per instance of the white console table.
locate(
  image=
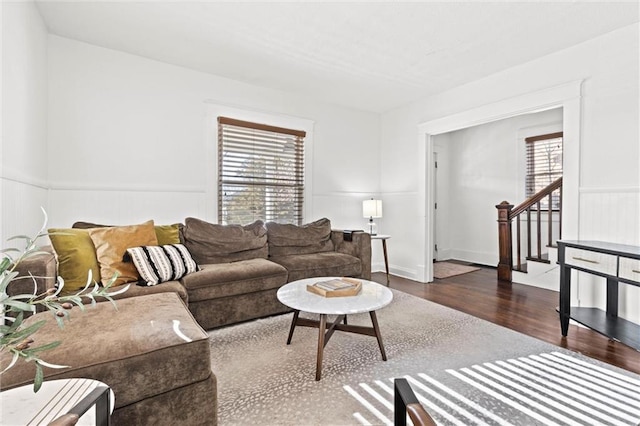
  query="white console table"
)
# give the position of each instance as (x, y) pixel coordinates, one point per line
(618, 264)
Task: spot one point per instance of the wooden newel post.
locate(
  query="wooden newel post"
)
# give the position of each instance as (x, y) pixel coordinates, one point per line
(504, 241)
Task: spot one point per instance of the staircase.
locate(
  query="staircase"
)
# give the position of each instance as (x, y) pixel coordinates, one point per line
(527, 236)
(543, 275)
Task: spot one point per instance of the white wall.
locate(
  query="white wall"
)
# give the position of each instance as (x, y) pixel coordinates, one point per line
(129, 140)
(609, 156)
(23, 150)
(482, 166)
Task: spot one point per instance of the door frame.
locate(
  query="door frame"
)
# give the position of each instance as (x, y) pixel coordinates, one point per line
(566, 96)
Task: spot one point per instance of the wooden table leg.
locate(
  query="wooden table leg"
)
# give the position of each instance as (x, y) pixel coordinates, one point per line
(326, 331)
(321, 331)
(376, 329)
(293, 326)
(386, 260)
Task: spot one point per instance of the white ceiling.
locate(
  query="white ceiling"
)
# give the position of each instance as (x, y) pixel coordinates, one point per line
(373, 56)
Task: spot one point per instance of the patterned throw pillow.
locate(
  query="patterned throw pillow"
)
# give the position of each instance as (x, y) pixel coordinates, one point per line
(157, 264)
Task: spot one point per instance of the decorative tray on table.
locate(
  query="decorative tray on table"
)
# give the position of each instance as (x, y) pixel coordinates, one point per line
(336, 287)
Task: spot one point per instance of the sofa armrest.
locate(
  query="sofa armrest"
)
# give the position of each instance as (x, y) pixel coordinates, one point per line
(359, 246)
(42, 267)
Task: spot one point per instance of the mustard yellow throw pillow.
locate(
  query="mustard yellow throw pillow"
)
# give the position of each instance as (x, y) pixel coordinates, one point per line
(111, 245)
(76, 256)
(168, 234)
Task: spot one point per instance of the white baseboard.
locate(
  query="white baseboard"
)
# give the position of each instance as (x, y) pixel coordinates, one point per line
(444, 254)
(481, 258)
(407, 273)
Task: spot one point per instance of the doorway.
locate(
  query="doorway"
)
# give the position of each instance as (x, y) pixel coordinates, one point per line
(475, 169)
(566, 96)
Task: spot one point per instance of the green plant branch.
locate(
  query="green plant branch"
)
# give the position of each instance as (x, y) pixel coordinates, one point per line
(15, 337)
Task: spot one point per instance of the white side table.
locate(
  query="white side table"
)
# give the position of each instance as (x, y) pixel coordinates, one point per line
(384, 239)
(21, 406)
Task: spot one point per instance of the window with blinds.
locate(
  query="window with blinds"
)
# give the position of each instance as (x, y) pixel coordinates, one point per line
(260, 173)
(544, 165)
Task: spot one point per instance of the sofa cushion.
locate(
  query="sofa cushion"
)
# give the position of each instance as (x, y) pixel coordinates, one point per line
(111, 245)
(329, 264)
(89, 225)
(288, 239)
(39, 269)
(234, 278)
(141, 290)
(76, 256)
(211, 243)
(214, 313)
(148, 346)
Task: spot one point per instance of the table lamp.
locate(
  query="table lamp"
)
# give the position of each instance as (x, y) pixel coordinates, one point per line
(372, 208)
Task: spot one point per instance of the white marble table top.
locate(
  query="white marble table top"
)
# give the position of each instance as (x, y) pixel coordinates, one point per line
(373, 296)
(380, 237)
(21, 406)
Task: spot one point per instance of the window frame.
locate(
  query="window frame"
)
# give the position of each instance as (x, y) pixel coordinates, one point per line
(207, 199)
(262, 139)
(529, 149)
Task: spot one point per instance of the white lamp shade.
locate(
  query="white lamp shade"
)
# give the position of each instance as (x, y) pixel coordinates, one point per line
(372, 208)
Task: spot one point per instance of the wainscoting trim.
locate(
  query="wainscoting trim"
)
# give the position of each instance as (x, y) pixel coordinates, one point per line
(64, 186)
(610, 189)
(15, 176)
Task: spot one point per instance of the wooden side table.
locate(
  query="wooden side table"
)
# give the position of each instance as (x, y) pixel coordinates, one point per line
(384, 239)
(21, 406)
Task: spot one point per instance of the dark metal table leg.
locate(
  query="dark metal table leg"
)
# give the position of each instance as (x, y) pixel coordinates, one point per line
(565, 299)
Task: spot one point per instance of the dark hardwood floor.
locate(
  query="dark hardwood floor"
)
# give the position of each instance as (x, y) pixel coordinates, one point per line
(529, 310)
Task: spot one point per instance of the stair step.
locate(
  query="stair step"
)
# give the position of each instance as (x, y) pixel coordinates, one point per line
(540, 260)
(544, 260)
(523, 268)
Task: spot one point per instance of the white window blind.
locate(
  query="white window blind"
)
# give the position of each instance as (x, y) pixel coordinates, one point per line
(544, 164)
(260, 173)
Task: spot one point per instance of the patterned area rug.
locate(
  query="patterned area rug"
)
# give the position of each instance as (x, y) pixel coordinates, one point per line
(465, 371)
(448, 269)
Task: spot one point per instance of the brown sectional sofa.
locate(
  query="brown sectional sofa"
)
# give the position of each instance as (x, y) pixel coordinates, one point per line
(243, 267)
(157, 377)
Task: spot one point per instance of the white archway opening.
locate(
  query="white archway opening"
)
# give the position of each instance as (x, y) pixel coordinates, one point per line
(566, 96)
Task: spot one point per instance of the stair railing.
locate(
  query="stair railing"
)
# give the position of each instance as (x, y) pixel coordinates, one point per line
(506, 215)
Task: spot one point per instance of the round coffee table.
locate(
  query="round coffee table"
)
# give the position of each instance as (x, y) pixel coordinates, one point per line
(372, 297)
